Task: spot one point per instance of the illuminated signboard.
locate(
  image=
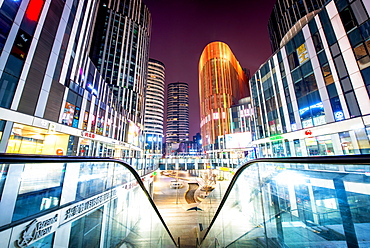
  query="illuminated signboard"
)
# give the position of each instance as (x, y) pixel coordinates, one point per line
(276, 137)
(133, 134)
(34, 9)
(307, 123)
(238, 140)
(21, 45)
(153, 138)
(88, 135)
(313, 106)
(246, 112)
(339, 115)
(302, 54)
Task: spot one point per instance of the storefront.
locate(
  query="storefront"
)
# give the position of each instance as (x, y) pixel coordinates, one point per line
(33, 140)
(345, 138)
(25, 139)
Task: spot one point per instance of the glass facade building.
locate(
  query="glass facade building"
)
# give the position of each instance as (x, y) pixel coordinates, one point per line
(55, 97)
(288, 13)
(312, 96)
(120, 49)
(154, 108)
(222, 83)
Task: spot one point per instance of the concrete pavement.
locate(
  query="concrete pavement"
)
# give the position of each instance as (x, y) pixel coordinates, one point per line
(174, 209)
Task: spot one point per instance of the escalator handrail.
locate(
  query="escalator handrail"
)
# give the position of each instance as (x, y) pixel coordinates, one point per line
(22, 158)
(341, 159)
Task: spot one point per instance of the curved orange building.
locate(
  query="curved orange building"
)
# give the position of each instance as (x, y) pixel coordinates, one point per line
(222, 83)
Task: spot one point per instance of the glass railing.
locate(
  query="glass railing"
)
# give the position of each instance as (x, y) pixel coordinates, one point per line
(76, 202)
(291, 202)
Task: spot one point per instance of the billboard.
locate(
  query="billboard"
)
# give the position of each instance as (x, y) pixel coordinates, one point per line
(133, 134)
(238, 140)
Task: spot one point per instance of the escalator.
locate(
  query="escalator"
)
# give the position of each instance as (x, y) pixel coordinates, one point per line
(49, 201)
(292, 202)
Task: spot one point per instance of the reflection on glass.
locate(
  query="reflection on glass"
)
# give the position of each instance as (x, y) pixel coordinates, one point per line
(96, 204)
(86, 231)
(3, 172)
(39, 190)
(285, 205)
(92, 180)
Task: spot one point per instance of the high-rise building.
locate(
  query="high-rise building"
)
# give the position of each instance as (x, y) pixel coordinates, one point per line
(288, 14)
(54, 99)
(222, 83)
(119, 49)
(154, 108)
(177, 127)
(312, 96)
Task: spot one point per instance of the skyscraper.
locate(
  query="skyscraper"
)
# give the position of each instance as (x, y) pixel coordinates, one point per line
(54, 99)
(177, 128)
(154, 107)
(222, 83)
(120, 48)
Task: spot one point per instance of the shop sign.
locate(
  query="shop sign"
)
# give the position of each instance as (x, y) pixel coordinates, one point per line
(60, 151)
(339, 116)
(307, 123)
(246, 112)
(153, 139)
(308, 132)
(88, 135)
(84, 142)
(320, 120)
(276, 137)
(37, 230)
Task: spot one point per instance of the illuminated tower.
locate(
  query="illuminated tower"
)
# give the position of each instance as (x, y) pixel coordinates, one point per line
(222, 83)
(177, 113)
(154, 108)
(119, 49)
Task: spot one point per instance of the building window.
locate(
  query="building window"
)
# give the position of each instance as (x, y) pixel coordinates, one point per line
(341, 67)
(346, 84)
(348, 19)
(362, 54)
(352, 104)
(317, 42)
(293, 60)
(328, 76)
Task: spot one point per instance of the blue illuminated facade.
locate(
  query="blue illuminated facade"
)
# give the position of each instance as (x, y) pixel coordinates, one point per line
(312, 96)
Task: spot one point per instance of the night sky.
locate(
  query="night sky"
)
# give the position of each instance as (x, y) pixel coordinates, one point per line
(182, 28)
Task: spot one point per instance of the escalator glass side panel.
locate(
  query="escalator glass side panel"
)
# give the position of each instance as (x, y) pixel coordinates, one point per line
(281, 204)
(65, 203)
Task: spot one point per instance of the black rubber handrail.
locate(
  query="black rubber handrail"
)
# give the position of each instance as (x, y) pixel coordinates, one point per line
(16, 158)
(340, 160)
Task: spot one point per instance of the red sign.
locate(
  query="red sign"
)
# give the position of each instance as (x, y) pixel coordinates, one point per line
(88, 135)
(34, 9)
(308, 132)
(59, 151)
